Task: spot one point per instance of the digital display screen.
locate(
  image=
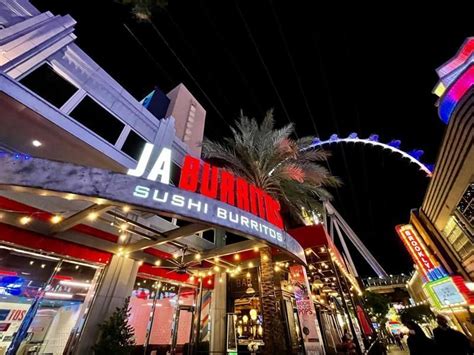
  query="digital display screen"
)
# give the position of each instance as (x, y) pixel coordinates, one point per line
(447, 293)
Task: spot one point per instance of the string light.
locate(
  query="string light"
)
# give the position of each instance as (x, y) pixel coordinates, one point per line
(176, 255)
(140, 263)
(248, 274)
(197, 256)
(123, 236)
(236, 257)
(265, 257)
(217, 268)
(209, 273)
(209, 281)
(124, 226)
(308, 251)
(157, 262)
(250, 264)
(25, 220)
(255, 249)
(277, 268)
(126, 209)
(56, 219)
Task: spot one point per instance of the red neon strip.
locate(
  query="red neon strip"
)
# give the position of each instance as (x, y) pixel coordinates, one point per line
(8, 273)
(62, 277)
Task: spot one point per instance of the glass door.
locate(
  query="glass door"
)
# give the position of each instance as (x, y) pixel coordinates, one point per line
(183, 322)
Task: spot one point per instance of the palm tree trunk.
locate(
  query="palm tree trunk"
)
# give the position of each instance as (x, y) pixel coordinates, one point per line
(273, 328)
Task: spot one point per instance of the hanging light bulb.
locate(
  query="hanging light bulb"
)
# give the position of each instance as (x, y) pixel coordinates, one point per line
(92, 216)
(197, 256)
(250, 264)
(126, 209)
(217, 268)
(236, 257)
(157, 262)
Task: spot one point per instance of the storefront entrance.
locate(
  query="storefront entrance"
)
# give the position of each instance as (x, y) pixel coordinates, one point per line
(43, 300)
(183, 325)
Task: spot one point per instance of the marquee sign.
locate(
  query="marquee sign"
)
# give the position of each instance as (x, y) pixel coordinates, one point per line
(448, 292)
(427, 264)
(145, 194)
(210, 181)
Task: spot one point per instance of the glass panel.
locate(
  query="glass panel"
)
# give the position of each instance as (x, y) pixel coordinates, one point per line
(187, 302)
(49, 85)
(61, 309)
(23, 277)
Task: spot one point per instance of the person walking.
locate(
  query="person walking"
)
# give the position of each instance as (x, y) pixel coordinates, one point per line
(418, 342)
(448, 340)
(398, 341)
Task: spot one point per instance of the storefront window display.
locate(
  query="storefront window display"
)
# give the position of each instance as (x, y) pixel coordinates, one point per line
(43, 300)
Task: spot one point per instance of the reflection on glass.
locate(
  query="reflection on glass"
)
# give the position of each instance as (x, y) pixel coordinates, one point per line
(41, 300)
(154, 306)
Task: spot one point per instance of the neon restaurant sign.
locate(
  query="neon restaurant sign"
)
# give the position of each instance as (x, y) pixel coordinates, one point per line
(428, 266)
(209, 181)
(258, 218)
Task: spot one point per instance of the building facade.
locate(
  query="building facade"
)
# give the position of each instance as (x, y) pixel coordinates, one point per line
(87, 220)
(443, 225)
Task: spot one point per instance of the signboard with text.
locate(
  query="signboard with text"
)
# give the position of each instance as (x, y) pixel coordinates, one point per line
(427, 264)
(309, 325)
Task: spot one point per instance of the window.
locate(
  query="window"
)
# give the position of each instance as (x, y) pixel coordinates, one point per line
(52, 87)
(457, 237)
(466, 206)
(208, 235)
(98, 119)
(134, 145)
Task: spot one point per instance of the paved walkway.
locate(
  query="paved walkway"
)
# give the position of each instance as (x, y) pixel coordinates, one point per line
(395, 350)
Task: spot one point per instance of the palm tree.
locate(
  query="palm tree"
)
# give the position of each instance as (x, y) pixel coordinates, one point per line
(271, 160)
(281, 166)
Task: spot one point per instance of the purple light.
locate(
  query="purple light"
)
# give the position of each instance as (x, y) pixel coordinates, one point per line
(455, 93)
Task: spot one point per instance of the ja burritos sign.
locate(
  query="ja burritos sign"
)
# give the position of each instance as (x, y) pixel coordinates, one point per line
(37, 175)
(211, 182)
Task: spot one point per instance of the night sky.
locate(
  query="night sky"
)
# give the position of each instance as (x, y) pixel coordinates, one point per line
(350, 68)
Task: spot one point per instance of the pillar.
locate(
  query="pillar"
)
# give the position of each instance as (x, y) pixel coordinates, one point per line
(218, 315)
(117, 284)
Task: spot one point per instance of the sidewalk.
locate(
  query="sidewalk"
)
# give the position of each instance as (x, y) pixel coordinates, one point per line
(395, 350)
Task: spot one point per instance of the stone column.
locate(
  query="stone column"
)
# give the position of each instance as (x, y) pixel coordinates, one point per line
(218, 315)
(116, 286)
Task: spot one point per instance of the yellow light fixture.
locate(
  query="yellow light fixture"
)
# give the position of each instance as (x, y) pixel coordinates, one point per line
(253, 314)
(126, 209)
(236, 257)
(209, 273)
(123, 236)
(175, 255)
(220, 279)
(197, 256)
(255, 249)
(250, 264)
(92, 216)
(277, 268)
(248, 274)
(265, 257)
(209, 282)
(25, 220)
(217, 268)
(140, 262)
(56, 219)
(239, 269)
(308, 251)
(157, 262)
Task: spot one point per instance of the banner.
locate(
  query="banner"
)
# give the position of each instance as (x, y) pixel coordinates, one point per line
(309, 325)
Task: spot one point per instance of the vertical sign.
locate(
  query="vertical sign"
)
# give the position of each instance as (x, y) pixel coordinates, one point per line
(307, 314)
(427, 265)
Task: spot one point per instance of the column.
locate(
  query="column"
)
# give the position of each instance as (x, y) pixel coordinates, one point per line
(218, 315)
(116, 286)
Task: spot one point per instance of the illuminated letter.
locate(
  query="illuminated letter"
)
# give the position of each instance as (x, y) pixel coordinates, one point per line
(209, 181)
(221, 213)
(257, 201)
(162, 167)
(142, 162)
(189, 174)
(156, 196)
(273, 211)
(242, 194)
(177, 200)
(227, 193)
(141, 191)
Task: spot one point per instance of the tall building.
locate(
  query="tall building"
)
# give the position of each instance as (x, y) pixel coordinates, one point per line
(443, 227)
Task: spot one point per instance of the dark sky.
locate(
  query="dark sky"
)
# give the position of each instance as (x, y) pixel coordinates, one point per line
(339, 69)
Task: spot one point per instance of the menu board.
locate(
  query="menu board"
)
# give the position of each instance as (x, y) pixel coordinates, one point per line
(447, 293)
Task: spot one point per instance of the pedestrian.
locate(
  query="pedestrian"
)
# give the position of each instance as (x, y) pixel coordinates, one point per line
(348, 344)
(448, 340)
(398, 341)
(418, 342)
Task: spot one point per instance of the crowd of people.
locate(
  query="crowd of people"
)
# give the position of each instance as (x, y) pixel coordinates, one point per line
(446, 340)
